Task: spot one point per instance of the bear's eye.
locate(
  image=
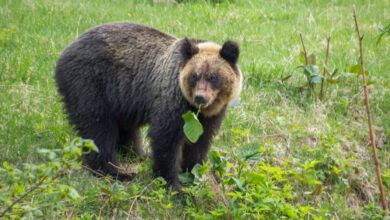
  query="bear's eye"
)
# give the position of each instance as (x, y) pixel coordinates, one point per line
(213, 78)
(194, 77)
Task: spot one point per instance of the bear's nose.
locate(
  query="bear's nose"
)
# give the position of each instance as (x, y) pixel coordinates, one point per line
(200, 99)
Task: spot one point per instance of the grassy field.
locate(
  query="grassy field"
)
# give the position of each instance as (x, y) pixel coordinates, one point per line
(315, 158)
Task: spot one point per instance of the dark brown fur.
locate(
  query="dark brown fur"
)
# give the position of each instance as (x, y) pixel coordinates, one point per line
(118, 77)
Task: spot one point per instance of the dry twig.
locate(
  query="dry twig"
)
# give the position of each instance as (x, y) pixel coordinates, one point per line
(325, 66)
(97, 173)
(377, 168)
(118, 167)
(267, 136)
(304, 49)
(306, 63)
(24, 195)
(135, 199)
(101, 209)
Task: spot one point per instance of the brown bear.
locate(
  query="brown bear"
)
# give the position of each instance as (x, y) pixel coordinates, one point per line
(117, 77)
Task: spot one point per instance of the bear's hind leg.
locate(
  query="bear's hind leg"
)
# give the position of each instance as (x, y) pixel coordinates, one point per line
(105, 135)
(130, 142)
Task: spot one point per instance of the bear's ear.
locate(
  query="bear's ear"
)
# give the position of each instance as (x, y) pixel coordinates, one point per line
(188, 49)
(230, 51)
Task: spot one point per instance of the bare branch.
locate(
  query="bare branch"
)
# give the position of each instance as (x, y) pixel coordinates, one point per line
(135, 199)
(304, 49)
(23, 196)
(118, 167)
(377, 168)
(326, 65)
(60, 173)
(97, 173)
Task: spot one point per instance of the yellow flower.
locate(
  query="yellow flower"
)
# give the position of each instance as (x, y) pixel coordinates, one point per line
(217, 4)
(128, 14)
(49, 12)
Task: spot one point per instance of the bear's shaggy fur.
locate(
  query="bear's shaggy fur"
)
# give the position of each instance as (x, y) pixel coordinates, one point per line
(118, 77)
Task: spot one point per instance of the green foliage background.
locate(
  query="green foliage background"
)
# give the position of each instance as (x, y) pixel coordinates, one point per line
(280, 154)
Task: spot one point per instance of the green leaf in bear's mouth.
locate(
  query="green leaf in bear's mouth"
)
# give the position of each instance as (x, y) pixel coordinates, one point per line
(193, 129)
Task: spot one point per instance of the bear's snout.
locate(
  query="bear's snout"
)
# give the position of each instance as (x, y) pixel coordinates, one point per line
(200, 99)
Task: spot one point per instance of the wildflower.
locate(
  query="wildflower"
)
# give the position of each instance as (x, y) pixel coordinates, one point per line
(49, 12)
(128, 14)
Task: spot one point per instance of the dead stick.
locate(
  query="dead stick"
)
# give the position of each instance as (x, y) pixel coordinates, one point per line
(135, 199)
(378, 171)
(97, 173)
(304, 49)
(325, 67)
(60, 173)
(100, 210)
(118, 167)
(24, 195)
(306, 63)
(93, 171)
(268, 136)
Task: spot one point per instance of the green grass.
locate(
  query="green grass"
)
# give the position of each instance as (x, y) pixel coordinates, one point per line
(291, 129)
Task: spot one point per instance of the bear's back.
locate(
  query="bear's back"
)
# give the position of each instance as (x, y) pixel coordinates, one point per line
(134, 42)
(120, 44)
(114, 51)
(117, 65)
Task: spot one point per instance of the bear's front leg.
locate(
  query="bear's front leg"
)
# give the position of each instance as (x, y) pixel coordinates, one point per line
(166, 138)
(194, 153)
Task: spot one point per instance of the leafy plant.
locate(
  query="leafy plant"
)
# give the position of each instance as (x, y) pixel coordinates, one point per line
(371, 211)
(332, 77)
(262, 190)
(385, 31)
(313, 77)
(311, 71)
(196, 176)
(28, 191)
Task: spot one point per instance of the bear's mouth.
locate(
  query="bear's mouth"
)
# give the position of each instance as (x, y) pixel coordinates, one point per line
(211, 104)
(201, 106)
(204, 105)
(212, 108)
(205, 100)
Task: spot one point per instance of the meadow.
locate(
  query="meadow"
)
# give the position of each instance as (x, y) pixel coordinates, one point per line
(281, 153)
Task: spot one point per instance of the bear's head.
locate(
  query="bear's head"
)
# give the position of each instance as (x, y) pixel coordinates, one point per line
(210, 76)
